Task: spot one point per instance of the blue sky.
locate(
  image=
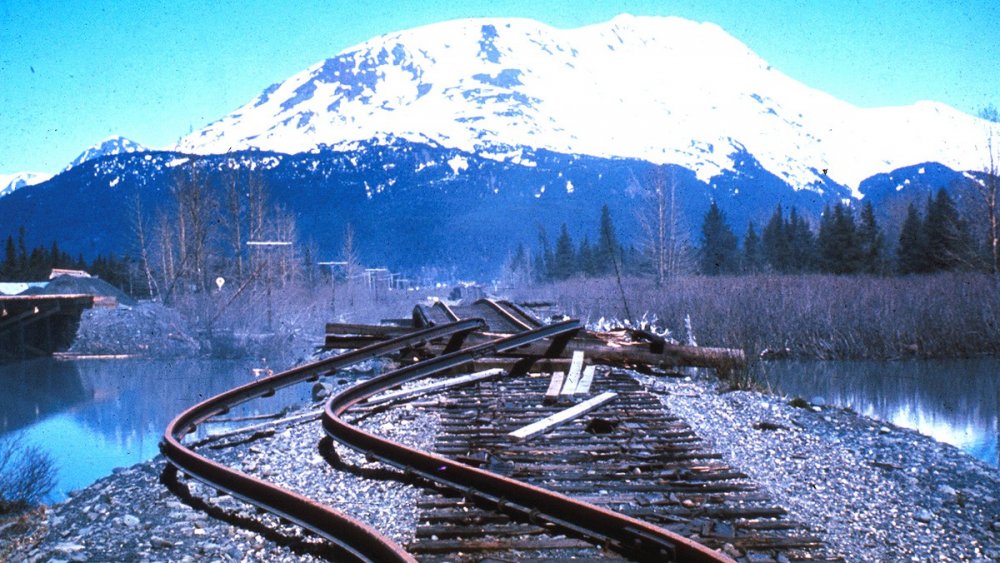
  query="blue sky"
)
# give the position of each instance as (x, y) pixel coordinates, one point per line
(73, 73)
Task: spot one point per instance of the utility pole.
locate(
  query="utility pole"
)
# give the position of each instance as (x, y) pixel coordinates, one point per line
(269, 244)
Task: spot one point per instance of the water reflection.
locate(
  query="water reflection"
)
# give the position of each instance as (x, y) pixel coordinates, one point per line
(954, 401)
(36, 389)
(94, 415)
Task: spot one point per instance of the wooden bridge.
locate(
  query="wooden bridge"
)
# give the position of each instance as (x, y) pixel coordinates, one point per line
(39, 325)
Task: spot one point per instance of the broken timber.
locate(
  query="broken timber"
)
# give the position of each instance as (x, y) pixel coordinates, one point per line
(561, 417)
(555, 387)
(599, 347)
(575, 371)
(588, 378)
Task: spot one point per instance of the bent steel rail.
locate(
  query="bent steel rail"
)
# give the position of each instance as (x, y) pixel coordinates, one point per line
(630, 535)
(358, 539)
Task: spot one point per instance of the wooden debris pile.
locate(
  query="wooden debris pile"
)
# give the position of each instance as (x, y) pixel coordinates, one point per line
(630, 348)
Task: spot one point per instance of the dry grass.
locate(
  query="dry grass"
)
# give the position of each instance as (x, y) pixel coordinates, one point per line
(810, 316)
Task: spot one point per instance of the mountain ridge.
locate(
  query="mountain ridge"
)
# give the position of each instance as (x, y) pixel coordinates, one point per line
(661, 89)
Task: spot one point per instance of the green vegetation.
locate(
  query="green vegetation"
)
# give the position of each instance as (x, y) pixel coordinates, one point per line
(22, 265)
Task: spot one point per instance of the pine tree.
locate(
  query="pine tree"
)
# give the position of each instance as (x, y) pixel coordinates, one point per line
(837, 242)
(751, 250)
(585, 259)
(870, 241)
(944, 234)
(911, 253)
(801, 243)
(22, 252)
(564, 264)
(543, 258)
(775, 242)
(718, 248)
(825, 241)
(10, 261)
(607, 249)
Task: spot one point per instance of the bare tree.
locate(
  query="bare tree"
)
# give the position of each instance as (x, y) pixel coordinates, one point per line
(351, 262)
(988, 187)
(233, 218)
(662, 225)
(142, 242)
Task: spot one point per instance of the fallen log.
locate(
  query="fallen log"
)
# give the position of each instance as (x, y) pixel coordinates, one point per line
(612, 348)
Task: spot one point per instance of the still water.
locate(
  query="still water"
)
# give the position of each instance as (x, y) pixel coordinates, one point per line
(953, 401)
(92, 416)
(95, 415)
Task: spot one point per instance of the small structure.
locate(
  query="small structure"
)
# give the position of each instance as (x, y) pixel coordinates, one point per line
(39, 325)
(41, 318)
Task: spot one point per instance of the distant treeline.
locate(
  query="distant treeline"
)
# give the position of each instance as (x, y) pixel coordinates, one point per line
(23, 265)
(847, 241)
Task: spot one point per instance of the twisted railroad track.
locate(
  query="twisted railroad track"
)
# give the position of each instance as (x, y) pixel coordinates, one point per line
(464, 468)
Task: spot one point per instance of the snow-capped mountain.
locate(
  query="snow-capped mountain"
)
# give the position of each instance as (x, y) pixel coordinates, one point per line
(660, 89)
(110, 146)
(11, 182)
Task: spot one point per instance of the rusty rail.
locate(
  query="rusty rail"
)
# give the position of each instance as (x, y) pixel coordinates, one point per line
(629, 535)
(360, 541)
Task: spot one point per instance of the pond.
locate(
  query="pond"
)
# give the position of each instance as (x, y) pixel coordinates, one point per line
(91, 416)
(953, 401)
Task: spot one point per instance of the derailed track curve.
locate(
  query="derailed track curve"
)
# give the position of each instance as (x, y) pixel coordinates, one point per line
(628, 535)
(359, 540)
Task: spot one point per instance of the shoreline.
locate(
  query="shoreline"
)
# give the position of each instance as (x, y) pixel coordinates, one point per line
(871, 490)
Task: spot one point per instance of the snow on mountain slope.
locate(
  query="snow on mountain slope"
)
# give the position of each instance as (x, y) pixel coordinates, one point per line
(11, 182)
(109, 146)
(666, 90)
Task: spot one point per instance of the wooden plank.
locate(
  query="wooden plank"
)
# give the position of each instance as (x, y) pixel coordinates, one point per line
(575, 369)
(387, 331)
(561, 417)
(555, 385)
(585, 382)
(436, 386)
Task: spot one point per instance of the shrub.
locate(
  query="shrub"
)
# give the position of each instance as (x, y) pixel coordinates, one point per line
(27, 474)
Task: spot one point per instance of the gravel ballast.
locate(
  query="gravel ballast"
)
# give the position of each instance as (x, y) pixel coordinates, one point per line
(872, 491)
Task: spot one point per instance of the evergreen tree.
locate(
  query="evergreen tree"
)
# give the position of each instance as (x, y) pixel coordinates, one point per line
(543, 258)
(22, 251)
(774, 242)
(838, 245)
(519, 262)
(10, 260)
(870, 241)
(824, 240)
(801, 243)
(607, 249)
(585, 258)
(518, 267)
(718, 248)
(946, 240)
(911, 253)
(564, 264)
(751, 250)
